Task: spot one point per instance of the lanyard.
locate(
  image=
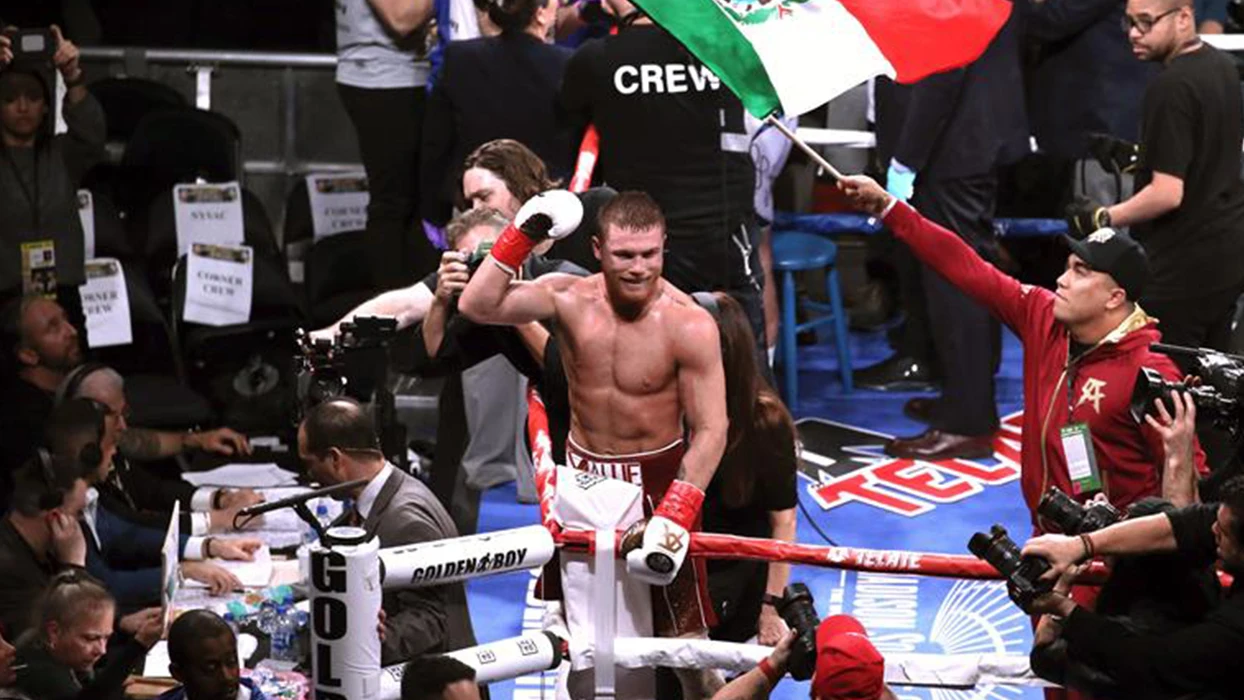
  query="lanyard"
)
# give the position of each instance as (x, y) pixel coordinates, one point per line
(31, 198)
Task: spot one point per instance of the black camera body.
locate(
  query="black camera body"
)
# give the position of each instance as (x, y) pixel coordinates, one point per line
(799, 611)
(1219, 399)
(1074, 518)
(1022, 574)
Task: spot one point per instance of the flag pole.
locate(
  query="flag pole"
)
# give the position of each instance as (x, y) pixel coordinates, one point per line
(816, 157)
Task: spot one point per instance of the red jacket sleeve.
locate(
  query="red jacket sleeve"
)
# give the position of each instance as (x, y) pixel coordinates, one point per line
(1005, 297)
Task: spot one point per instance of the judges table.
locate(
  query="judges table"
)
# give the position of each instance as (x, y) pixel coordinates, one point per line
(274, 575)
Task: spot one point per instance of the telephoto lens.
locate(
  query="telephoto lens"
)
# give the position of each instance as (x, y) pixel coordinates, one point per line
(1074, 518)
(1022, 574)
(799, 612)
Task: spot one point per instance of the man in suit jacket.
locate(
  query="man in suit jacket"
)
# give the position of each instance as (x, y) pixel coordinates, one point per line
(337, 441)
(959, 127)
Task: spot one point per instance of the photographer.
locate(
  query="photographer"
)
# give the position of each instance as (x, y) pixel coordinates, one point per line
(1196, 658)
(40, 172)
(848, 666)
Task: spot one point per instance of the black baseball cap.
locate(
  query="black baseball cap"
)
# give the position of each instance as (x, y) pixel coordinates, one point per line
(1117, 254)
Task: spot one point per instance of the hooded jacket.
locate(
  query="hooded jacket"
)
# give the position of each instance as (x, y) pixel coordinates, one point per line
(1094, 388)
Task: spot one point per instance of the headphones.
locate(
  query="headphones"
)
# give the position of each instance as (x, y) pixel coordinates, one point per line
(708, 300)
(72, 382)
(91, 453)
(52, 498)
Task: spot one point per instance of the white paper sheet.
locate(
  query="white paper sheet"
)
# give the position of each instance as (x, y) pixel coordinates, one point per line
(252, 574)
(254, 476)
(208, 214)
(220, 282)
(338, 202)
(106, 304)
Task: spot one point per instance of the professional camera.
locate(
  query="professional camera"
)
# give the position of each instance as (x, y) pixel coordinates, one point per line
(1074, 518)
(1022, 574)
(1114, 154)
(799, 611)
(354, 364)
(477, 256)
(1217, 399)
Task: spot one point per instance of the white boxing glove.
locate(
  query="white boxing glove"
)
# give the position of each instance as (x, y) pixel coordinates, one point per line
(553, 214)
(562, 207)
(655, 549)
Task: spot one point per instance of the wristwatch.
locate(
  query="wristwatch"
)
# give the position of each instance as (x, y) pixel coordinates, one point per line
(772, 601)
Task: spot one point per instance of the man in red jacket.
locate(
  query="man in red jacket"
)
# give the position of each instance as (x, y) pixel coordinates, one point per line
(1084, 344)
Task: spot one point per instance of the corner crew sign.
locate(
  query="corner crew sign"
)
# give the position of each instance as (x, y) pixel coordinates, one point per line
(843, 464)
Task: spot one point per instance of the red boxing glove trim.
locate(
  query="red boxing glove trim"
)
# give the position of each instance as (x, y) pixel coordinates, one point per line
(771, 674)
(682, 503)
(512, 248)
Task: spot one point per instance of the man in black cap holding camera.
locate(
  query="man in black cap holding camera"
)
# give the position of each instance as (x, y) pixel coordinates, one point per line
(1188, 210)
(1084, 343)
(38, 172)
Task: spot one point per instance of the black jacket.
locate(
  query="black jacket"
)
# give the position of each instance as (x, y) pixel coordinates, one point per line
(491, 88)
(967, 121)
(1085, 78)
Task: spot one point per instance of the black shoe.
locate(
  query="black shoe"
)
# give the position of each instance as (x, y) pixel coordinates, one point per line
(896, 374)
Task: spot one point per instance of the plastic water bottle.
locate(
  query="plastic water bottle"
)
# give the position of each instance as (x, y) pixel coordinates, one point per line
(321, 514)
(284, 638)
(267, 618)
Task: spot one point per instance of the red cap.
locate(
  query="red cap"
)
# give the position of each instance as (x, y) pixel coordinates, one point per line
(848, 666)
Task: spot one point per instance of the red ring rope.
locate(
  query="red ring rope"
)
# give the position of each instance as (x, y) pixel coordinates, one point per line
(718, 546)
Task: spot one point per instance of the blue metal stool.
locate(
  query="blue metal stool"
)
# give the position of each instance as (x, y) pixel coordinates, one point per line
(794, 252)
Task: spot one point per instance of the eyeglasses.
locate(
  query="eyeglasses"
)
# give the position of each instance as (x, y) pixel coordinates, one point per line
(1143, 24)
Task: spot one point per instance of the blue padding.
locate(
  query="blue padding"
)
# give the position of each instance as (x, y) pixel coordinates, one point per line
(825, 224)
(802, 251)
(837, 224)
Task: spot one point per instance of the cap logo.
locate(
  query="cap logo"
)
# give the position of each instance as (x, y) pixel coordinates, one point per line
(1101, 235)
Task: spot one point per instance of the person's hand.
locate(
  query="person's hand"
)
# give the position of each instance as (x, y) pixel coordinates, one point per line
(234, 550)
(6, 50)
(780, 656)
(1060, 551)
(66, 57)
(239, 498)
(1068, 578)
(770, 628)
(865, 194)
(130, 624)
(68, 541)
(221, 519)
(1051, 604)
(1178, 432)
(381, 618)
(225, 441)
(151, 630)
(218, 580)
(900, 181)
(1084, 216)
(452, 276)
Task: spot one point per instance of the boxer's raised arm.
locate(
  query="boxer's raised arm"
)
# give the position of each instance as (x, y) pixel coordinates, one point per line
(702, 392)
(493, 297)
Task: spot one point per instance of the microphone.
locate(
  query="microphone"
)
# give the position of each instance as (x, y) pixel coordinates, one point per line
(261, 508)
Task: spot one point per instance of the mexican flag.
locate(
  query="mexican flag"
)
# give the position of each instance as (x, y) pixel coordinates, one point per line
(795, 55)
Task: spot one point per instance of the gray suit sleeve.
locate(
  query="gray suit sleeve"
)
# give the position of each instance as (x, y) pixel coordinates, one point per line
(416, 622)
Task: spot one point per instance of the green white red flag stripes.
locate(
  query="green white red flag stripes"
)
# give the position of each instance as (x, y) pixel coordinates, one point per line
(795, 55)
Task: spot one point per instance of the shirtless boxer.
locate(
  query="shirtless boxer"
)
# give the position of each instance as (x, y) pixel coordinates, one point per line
(643, 363)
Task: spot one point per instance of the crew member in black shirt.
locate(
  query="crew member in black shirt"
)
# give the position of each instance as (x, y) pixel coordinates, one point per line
(669, 127)
(1188, 211)
(1198, 658)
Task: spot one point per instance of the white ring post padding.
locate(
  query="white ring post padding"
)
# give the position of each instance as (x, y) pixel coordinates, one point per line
(345, 596)
(934, 670)
(462, 558)
(604, 603)
(534, 652)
